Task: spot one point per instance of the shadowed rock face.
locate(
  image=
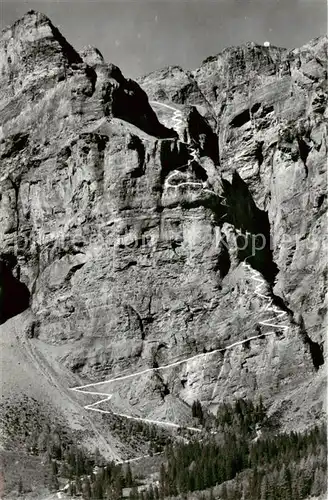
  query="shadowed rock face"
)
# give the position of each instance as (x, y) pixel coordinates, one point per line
(14, 295)
(127, 240)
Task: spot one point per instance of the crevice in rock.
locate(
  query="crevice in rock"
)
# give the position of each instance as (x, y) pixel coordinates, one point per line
(201, 133)
(247, 344)
(254, 239)
(321, 200)
(199, 171)
(259, 153)
(73, 270)
(162, 346)
(223, 262)
(315, 349)
(136, 144)
(32, 330)
(14, 295)
(37, 265)
(241, 119)
(163, 388)
(131, 312)
(92, 77)
(130, 103)
(281, 303)
(166, 391)
(155, 363)
(15, 186)
(255, 107)
(266, 110)
(304, 150)
(78, 366)
(14, 144)
(173, 154)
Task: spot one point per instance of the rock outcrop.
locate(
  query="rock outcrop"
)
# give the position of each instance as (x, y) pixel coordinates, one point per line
(128, 211)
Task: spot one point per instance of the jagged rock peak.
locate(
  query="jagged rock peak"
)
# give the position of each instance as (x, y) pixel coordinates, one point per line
(91, 55)
(30, 16)
(35, 27)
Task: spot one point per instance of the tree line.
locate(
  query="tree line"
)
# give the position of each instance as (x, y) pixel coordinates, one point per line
(241, 456)
(273, 467)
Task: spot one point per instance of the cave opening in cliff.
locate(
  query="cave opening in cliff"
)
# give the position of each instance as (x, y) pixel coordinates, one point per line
(14, 295)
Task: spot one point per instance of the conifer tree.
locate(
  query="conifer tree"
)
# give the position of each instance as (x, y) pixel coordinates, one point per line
(72, 489)
(151, 494)
(54, 467)
(78, 485)
(53, 483)
(86, 489)
(128, 476)
(224, 492)
(97, 488)
(156, 492)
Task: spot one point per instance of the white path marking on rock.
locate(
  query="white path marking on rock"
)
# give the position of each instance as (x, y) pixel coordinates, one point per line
(137, 374)
(256, 276)
(178, 124)
(168, 366)
(138, 458)
(164, 105)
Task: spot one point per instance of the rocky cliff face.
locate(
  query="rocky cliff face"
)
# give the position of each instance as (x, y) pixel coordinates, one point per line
(128, 211)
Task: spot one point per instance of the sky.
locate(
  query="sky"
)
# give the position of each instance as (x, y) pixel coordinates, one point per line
(140, 36)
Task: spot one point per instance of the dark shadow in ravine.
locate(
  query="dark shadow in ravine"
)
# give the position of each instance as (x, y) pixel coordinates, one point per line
(14, 295)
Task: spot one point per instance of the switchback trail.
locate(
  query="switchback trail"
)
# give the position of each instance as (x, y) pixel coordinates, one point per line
(260, 282)
(178, 126)
(255, 275)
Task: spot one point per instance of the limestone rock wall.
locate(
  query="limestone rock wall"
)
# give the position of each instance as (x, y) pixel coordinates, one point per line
(127, 240)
